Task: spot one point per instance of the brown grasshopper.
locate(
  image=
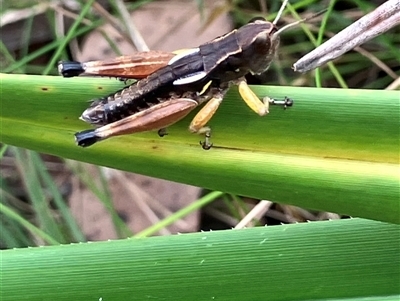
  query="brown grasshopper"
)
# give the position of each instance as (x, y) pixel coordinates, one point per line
(199, 75)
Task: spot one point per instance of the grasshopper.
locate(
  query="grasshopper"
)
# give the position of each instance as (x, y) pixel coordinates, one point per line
(199, 75)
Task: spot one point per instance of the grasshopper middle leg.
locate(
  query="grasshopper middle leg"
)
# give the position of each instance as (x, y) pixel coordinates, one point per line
(198, 124)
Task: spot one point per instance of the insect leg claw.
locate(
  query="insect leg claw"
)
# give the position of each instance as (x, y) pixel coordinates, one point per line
(288, 102)
(206, 144)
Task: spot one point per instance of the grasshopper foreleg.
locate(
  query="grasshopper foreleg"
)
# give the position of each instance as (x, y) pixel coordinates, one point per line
(254, 103)
(251, 99)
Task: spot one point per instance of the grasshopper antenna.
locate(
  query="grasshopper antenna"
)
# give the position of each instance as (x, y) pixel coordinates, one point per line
(280, 12)
(288, 26)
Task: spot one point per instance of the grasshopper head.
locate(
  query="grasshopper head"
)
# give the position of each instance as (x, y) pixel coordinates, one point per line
(259, 43)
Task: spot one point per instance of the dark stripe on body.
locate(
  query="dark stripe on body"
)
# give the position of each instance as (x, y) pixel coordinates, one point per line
(218, 50)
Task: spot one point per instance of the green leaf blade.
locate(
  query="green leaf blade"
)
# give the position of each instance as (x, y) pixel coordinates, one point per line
(334, 259)
(334, 150)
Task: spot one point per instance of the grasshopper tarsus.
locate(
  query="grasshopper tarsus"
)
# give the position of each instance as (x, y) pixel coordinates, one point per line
(162, 132)
(286, 102)
(206, 144)
(124, 80)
